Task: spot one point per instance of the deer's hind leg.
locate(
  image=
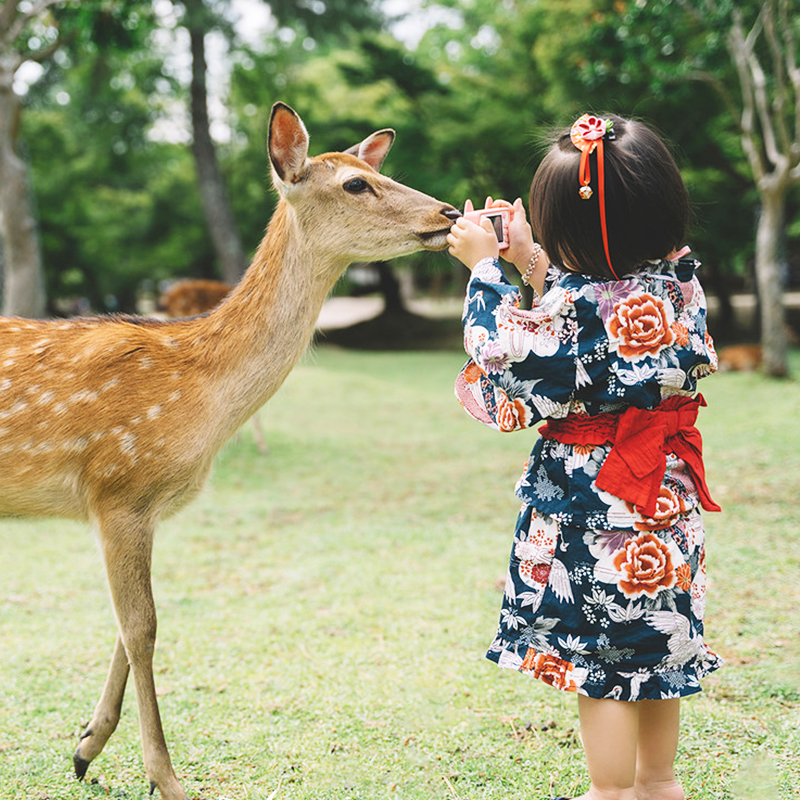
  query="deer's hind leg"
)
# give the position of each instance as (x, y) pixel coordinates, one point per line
(106, 714)
(127, 542)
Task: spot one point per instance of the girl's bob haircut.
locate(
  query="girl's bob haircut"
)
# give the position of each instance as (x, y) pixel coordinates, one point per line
(647, 206)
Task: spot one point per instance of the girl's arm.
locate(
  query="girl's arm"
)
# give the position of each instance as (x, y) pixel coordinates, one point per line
(522, 366)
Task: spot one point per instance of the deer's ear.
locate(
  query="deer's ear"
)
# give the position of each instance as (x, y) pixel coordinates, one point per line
(288, 143)
(374, 148)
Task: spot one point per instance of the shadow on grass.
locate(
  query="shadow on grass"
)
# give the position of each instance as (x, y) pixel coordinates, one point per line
(396, 330)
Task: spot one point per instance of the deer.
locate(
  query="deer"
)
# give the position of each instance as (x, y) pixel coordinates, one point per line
(115, 420)
(192, 296)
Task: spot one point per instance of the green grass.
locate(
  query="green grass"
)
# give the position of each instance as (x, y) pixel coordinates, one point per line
(325, 608)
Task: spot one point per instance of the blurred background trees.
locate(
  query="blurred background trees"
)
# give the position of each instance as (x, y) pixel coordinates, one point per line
(139, 127)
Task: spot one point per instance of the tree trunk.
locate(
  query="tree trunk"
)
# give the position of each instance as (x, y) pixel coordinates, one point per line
(23, 283)
(769, 280)
(218, 214)
(389, 287)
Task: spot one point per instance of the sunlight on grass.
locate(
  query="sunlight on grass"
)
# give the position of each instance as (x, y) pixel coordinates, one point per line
(324, 610)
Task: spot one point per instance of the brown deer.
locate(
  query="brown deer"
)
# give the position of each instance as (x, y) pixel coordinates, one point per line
(116, 420)
(192, 296)
(740, 358)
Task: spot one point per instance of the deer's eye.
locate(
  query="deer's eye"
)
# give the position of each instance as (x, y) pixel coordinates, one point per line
(356, 186)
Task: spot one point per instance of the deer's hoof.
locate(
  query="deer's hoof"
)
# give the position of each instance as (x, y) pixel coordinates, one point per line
(80, 765)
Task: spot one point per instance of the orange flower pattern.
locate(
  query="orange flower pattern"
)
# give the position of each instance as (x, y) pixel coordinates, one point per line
(640, 327)
(512, 413)
(644, 566)
(669, 505)
(554, 671)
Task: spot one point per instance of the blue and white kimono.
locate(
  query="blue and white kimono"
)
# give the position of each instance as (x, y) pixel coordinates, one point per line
(599, 599)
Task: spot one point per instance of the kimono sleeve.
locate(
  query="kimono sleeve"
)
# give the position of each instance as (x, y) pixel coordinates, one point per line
(522, 366)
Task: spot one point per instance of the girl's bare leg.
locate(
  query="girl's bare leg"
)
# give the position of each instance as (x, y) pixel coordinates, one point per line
(659, 724)
(610, 733)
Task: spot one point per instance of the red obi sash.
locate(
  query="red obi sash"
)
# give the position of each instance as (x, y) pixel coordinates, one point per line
(641, 439)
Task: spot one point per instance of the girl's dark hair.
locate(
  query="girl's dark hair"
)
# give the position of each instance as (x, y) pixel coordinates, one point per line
(647, 206)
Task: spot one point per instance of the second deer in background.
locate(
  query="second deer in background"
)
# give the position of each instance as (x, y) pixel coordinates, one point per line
(192, 296)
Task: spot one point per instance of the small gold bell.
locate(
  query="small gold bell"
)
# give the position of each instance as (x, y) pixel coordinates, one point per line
(585, 192)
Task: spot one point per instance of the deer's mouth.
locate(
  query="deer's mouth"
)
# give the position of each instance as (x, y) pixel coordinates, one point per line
(434, 240)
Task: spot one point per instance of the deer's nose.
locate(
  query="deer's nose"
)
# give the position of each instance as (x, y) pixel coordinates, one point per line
(451, 213)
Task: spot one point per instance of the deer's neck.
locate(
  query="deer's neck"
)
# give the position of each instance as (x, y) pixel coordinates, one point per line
(258, 334)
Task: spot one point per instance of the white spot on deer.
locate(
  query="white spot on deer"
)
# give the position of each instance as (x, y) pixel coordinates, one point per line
(5, 384)
(19, 406)
(109, 384)
(45, 398)
(174, 396)
(9, 362)
(154, 412)
(37, 448)
(127, 444)
(176, 376)
(145, 362)
(83, 396)
(77, 445)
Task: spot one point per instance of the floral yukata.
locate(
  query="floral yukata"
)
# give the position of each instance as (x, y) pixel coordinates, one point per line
(600, 598)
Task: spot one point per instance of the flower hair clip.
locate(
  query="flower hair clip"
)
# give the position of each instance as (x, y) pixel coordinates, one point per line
(587, 134)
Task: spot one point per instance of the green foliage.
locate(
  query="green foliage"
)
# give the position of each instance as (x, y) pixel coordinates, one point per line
(473, 105)
(114, 207)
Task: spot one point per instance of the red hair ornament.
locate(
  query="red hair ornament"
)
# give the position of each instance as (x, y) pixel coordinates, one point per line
(587, 134)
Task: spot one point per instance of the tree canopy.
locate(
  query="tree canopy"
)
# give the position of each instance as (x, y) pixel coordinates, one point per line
(106, 134)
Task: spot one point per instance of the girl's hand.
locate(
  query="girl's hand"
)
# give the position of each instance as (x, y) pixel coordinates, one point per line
(471, 243)
(521, 245)
(520, 235)
(520, 238)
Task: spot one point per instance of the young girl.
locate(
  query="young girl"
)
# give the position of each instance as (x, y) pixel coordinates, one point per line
(605, 592)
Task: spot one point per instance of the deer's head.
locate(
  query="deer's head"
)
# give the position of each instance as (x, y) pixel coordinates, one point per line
(341, 202)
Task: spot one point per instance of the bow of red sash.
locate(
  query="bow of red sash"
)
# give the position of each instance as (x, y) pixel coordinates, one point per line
(641, 438)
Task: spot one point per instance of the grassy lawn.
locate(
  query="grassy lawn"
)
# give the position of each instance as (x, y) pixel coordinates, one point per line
(325, 608)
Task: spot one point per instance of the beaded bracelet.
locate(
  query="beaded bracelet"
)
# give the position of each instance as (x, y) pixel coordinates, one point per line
(537, 251)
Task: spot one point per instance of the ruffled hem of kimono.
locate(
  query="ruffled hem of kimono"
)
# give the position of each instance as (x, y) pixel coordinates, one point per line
(681, 681)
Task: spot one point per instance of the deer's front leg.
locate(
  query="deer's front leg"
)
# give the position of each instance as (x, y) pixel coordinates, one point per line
(127, 542)
(106, 714)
